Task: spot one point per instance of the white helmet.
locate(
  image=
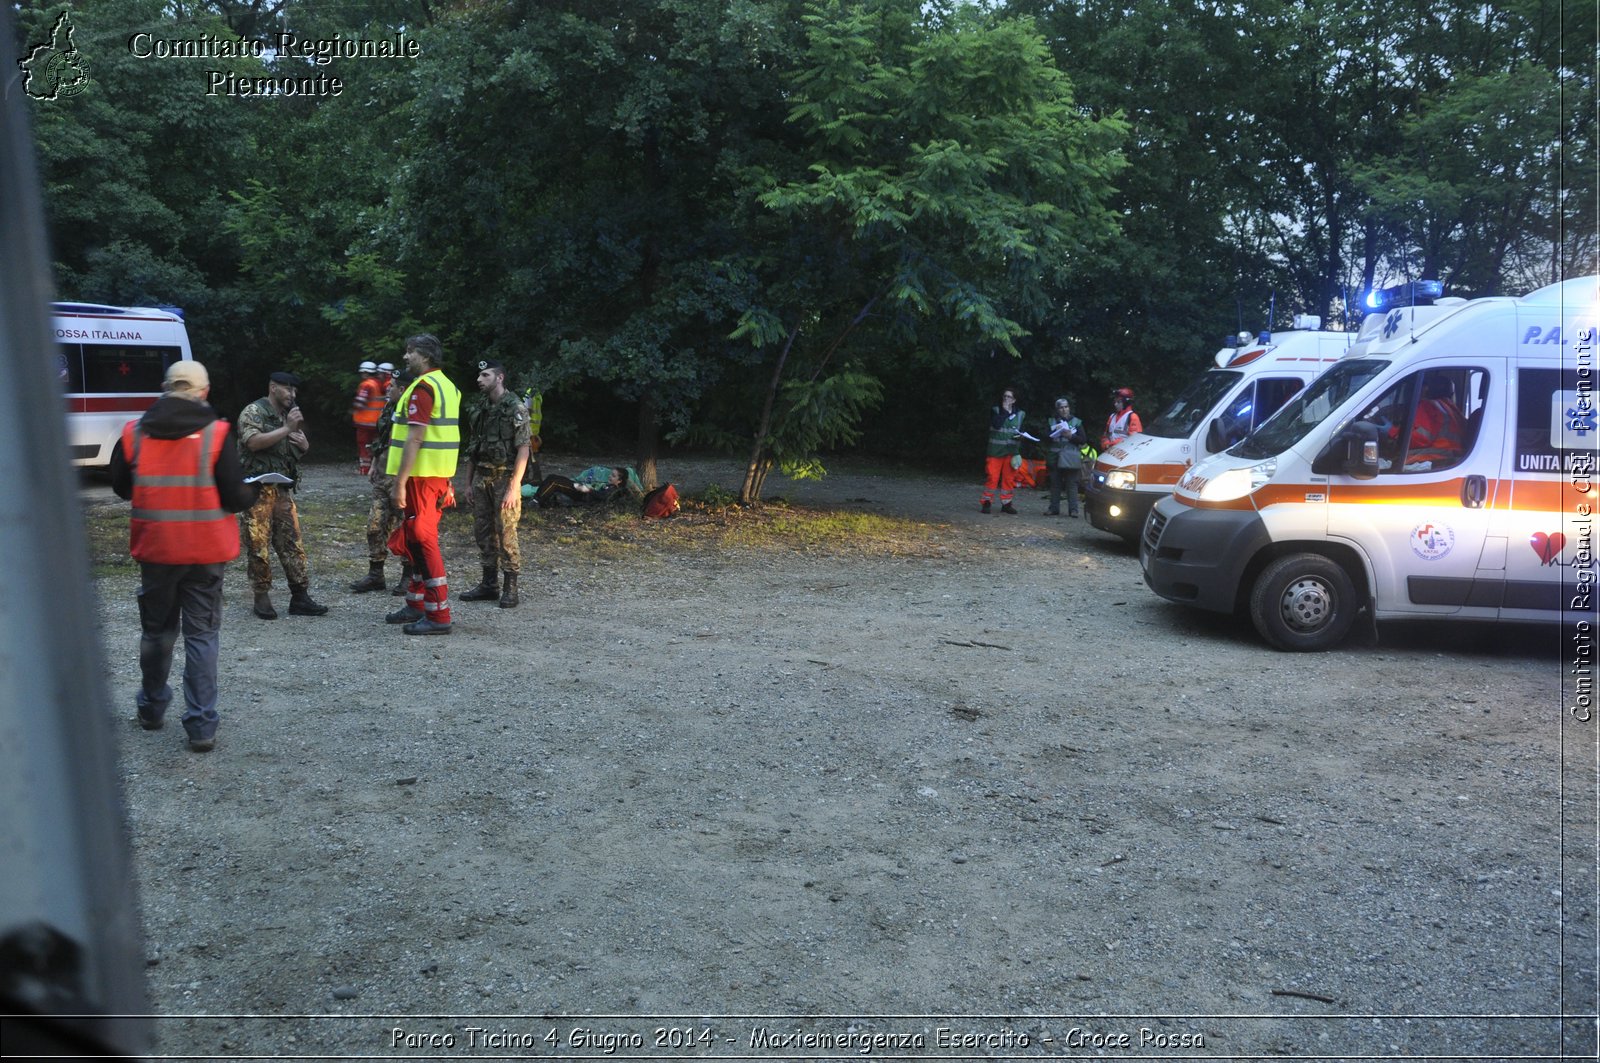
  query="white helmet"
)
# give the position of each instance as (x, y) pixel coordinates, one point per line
(369, 367)
(386, 367)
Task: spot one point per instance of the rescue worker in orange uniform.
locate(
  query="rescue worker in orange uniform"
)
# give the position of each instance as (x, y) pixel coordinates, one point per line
(423, 448)
(179, 464)
(1437, 430)
(364, 411)
(1003, 454)
(1123, 422)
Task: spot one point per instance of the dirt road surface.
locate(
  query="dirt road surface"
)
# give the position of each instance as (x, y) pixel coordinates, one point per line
(889, 777)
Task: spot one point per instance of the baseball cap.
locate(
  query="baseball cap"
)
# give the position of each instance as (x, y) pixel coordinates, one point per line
(187, 375)
(288, 380)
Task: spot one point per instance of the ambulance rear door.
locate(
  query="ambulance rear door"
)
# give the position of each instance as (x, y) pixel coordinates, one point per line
(1423, 524)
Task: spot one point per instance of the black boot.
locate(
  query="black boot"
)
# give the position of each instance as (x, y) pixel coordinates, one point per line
(300, 603)
(263, 607)
(508, 595)
(405, 580)
(372, 581)
(488, 590)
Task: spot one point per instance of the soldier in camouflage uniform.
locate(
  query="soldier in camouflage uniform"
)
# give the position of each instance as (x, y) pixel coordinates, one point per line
(272, 438)
(495, 455)
(383, 517)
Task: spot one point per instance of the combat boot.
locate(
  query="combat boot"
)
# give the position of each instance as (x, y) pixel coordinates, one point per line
(405, 580)
(300, 603)
(508, 595)
(263, 607)
(372, 581)
(488, 590)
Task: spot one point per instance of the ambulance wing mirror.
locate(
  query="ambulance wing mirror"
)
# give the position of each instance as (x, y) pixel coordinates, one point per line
(1352, 452)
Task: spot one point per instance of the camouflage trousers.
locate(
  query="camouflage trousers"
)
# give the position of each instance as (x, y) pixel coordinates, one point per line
(273, 523)
(494, 528)
(382, 519)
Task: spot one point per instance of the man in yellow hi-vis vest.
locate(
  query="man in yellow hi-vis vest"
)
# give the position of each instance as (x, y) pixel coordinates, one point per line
(422, 458)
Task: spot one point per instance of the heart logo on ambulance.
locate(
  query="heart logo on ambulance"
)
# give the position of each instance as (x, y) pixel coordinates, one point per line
(1547, 546)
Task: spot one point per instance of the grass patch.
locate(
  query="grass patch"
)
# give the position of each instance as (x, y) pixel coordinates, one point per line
(713, 525)
(333, 527)
(106, 531)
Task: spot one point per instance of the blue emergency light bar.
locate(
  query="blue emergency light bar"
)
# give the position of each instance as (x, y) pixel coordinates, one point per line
(1409, 293)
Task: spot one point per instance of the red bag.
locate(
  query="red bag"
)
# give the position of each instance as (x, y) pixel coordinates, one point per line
(662, 502)
(1033, 473)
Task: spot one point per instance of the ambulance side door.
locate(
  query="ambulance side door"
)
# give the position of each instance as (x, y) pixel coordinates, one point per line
(1550, 474)
(1423, 522)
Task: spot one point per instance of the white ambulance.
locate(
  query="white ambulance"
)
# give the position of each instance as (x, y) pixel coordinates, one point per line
(111, 361)
(1223, 405)
(1364, 494)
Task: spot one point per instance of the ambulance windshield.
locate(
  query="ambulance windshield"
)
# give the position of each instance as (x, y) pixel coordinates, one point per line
(1308, 409)
(1191, 407)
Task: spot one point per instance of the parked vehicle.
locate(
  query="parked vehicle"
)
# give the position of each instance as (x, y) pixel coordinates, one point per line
(111, 361)
(1223, 405)
(1354, 499)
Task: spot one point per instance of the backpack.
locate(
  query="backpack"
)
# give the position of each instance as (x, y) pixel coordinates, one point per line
(662, 502)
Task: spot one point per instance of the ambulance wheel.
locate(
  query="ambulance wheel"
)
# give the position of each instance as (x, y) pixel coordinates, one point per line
(1304, 603)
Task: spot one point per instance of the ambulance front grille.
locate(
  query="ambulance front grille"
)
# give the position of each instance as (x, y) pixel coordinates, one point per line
(1152, 530)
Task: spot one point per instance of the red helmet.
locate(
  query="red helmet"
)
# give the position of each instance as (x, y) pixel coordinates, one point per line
(1126, 394)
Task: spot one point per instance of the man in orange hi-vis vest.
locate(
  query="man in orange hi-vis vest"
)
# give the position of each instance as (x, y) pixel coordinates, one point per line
(179, 465)
(364, 411)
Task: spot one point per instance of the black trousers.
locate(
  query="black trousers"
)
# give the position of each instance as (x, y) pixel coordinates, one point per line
(1064, 481)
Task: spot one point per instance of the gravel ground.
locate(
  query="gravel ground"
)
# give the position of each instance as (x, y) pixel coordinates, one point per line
(959, 786)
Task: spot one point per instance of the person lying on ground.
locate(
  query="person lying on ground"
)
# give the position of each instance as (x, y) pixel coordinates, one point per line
(598, 483)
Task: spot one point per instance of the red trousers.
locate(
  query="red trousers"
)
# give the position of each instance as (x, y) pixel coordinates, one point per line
(999, 473)
(418, 542)
(365, 434)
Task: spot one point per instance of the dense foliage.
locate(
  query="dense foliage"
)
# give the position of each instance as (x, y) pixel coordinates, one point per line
(786, 227)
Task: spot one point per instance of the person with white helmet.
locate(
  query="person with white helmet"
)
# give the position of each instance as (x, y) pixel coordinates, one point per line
(365, 409)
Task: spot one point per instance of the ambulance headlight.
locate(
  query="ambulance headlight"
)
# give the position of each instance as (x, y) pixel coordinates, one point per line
(1122, 480)
(1236, 483)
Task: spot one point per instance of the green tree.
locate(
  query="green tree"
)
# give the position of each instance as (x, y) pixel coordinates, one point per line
(136, 170)
(948, 185)
(314, 222)
(1195, 260)
(596, 240)
(1475, 184)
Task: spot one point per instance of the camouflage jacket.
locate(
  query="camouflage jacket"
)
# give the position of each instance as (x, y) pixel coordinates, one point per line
(258, 417)
(380, 441)
(496, 430)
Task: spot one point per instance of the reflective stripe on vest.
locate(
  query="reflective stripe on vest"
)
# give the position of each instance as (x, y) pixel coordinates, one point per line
(177, 516)
(368, 404)
(1003, 440)
(1444, 442)
(441, 438)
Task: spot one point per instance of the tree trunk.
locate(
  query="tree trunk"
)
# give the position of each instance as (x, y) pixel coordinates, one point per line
(755, 473)
(757, 478)
(649, 436)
